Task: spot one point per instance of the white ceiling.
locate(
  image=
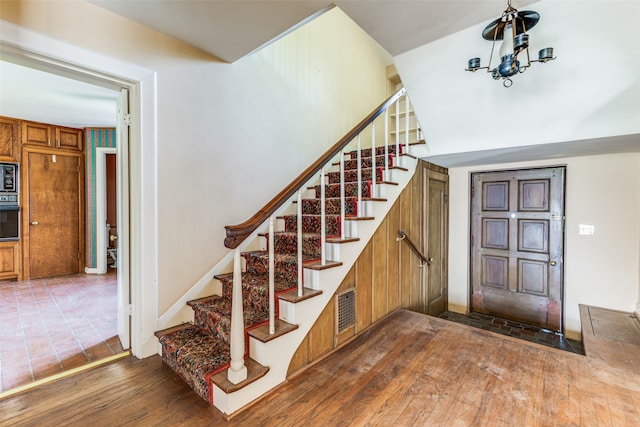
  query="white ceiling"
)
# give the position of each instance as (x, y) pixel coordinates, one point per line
(231, 29)
(35, 95)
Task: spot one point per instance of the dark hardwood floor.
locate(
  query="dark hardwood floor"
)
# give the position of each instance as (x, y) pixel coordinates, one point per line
(408, 370)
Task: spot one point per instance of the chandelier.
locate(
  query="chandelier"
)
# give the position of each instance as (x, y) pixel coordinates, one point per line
(512, 29)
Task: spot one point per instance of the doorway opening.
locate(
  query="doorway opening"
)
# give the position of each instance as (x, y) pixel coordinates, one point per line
(63, 322)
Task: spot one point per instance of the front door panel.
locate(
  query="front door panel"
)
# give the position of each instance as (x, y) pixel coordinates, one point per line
(517, 245)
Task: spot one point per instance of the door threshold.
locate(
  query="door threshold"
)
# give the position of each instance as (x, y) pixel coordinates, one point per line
(71, 372)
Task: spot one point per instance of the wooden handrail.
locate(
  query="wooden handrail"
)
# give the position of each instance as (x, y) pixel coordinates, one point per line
(402, 235)
(236, 234)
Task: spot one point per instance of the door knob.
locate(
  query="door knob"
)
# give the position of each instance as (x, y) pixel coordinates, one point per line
(34, 223)
(431, 259)
(552, 263)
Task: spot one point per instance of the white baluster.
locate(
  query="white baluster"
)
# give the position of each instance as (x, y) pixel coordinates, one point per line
(272, 281)
(359, 180)
(323, 220)
(386, 144)
(397, 127)
(373, 160)
(406, 123)
(299, 240)
(237, 372)
(342, 197)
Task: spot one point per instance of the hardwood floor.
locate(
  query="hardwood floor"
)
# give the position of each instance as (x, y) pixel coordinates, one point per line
(408, 370)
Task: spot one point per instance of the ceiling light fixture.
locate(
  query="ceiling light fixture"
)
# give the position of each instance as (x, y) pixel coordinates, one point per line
(512, 29)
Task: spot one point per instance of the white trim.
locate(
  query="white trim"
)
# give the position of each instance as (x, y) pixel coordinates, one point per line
(21, 44)
(88, 270)
(101, 208)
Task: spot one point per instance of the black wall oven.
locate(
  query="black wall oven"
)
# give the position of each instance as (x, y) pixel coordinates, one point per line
(9, 202)
(9, 223)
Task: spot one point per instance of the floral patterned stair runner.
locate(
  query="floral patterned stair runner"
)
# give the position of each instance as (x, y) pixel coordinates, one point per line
(199, 350)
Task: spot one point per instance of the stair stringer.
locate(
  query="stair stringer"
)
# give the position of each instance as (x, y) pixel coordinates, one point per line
(277, 353)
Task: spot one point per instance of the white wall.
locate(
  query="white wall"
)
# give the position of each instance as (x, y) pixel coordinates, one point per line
(591, 90)
(230, 136)
(602, 269)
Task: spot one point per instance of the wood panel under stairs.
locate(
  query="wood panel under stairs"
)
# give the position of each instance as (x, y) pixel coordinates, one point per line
(199, 351)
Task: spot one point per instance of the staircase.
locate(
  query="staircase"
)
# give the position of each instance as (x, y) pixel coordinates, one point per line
(358, 191)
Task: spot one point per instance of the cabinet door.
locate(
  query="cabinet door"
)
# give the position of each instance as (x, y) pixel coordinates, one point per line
(9, 260)
(36, 134)
(69, 139)
(9, 151)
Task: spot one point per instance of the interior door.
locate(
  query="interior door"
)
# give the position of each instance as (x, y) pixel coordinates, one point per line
(54, 222)
(517, 243)
(436, 225)
(122, 201)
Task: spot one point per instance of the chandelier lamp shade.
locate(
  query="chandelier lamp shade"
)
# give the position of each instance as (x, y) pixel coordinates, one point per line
(511, 29)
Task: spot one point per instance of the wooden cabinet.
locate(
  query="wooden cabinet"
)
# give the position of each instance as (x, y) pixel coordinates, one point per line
(9, 140)
(48, 136)
(9, 260)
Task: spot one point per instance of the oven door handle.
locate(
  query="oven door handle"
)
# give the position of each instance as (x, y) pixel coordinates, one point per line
(10, 208)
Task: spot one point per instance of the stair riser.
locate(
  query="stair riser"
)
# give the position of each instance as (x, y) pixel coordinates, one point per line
(379, 151)
(285, 269)
(288, 244)
(332, 206)
(311, 224)
(352, 175)
(366, 163)
(350, 190)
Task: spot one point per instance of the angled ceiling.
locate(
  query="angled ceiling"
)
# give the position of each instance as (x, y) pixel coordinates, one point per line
(230, 30)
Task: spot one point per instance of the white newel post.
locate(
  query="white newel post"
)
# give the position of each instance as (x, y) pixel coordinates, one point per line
(272, 281)
(237, 371)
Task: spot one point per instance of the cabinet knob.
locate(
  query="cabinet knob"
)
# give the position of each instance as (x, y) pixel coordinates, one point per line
(34, 223)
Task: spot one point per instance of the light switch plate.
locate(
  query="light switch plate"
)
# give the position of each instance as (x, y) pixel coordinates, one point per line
(586, 229)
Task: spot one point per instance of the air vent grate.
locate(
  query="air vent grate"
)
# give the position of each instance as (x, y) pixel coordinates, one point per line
(346, 309)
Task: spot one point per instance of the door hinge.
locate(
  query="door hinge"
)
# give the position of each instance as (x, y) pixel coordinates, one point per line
(129, 310)
(446, 198)
(126, 119)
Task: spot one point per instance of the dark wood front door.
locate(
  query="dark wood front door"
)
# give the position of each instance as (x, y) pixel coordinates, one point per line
(517, 241)
(53, 214)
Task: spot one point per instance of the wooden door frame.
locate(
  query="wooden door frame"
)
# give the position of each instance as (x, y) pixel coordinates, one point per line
(564, 240)
(26, 208)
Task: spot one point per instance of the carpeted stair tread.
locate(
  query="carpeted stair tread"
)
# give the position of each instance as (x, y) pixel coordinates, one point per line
(194, 355)
(257, 285)
(214, 317)
(286, 265)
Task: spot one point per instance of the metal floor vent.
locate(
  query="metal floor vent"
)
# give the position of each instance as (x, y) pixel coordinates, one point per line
(346, 310)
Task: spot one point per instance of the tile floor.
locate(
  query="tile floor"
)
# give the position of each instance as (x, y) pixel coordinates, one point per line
(51, 325)
(516, 330)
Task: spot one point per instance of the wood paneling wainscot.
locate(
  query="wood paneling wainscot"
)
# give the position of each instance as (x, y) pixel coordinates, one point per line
(386, 276)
